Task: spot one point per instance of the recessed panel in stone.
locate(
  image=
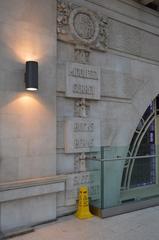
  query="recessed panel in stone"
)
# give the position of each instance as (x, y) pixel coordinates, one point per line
(82, 81)
(88, 178)
(82, 135)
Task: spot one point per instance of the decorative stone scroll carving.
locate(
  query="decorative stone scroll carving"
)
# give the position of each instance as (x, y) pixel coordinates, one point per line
(81, 54)
(81, 108)
(63, 12)
(81, 26)
(80, 162)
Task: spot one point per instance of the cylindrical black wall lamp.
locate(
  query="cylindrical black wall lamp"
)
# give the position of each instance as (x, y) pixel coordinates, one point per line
(31, 76)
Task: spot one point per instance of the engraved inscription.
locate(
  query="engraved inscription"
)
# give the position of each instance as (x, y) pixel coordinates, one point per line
(83, 142)
(82, 135)
(83, 89)
(74, 181)
(83, 81)
(83, 127)
(83, 73)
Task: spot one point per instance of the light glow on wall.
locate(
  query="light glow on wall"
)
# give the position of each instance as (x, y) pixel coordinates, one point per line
(24, 41)
(29, 104)
(31, 113)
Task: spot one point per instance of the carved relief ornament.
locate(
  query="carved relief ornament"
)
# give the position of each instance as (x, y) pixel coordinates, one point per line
(81, 26)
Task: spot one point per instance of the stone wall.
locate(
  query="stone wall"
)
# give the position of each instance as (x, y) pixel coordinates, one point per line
(27, 119)
(118, 55)
(129, 82)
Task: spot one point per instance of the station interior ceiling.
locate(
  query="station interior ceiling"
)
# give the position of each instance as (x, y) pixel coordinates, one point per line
(154, 4)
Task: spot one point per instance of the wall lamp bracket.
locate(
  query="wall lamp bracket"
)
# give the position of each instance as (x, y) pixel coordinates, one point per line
(31, 76)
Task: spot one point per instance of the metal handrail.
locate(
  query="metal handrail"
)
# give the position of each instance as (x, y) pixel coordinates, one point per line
(123, 158)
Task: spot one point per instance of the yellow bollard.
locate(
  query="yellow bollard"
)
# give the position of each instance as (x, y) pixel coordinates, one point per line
(83, 204)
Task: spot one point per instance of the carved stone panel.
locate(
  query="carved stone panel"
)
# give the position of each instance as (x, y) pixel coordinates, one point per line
(83, 25)
(81, 54)
(79, 25)
(82, 135)
(82, 81)
(74, 181)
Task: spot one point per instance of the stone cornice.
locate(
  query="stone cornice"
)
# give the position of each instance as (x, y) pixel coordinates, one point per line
(31, 182)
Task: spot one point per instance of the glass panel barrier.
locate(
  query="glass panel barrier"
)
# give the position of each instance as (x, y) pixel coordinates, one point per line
(121, 178)
(94, 169)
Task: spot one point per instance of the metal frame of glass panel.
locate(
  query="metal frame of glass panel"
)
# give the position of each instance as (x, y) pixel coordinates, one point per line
(143, 126)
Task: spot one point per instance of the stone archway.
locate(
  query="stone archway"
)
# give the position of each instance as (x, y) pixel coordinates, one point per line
(144, 95)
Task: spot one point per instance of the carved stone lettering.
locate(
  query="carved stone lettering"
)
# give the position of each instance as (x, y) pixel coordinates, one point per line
(83, 142)
(83, 89)
(74, 181)
(83, 73)
(83, 127)
(82, 135)
(82, 81)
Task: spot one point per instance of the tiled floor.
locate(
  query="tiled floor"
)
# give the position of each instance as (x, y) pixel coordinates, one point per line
(140, 225)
